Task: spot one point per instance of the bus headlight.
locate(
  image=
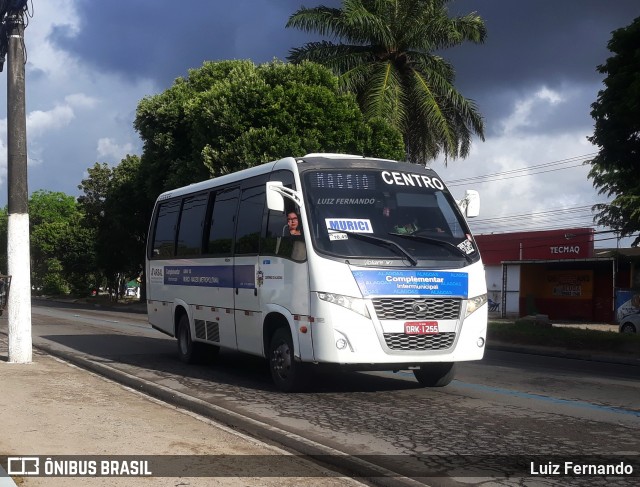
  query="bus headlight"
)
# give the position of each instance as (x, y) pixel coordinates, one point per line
(475, 303)
(354, 304)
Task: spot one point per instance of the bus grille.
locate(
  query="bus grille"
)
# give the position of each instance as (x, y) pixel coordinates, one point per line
(213, 331)
(402, 341)
(207, 330)
(405, 309)
(200, 329)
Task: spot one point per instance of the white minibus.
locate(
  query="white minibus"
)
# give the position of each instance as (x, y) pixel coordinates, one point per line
(327, 259)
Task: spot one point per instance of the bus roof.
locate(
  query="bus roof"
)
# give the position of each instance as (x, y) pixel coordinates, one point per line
(305, 163)
(233, 177)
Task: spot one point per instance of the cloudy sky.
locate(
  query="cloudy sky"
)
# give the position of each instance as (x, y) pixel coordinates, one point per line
(89, 63)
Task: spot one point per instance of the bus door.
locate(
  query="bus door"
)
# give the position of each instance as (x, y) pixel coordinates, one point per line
(248, 314)
(283, 271)
(219, 302)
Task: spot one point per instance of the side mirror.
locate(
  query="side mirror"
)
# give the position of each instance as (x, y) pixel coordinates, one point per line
(276, 193)
(275, 201)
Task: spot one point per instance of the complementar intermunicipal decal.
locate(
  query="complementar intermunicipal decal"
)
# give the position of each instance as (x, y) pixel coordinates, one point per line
(423, 283)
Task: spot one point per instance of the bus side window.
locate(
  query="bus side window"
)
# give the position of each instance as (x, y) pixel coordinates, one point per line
(250, 220)
(192, 218)
(222, 226)
(164, 238)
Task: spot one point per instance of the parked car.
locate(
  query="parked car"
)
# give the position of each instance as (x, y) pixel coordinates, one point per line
(630, 323)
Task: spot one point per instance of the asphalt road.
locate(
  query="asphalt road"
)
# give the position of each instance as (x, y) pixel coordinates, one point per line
(509, 405)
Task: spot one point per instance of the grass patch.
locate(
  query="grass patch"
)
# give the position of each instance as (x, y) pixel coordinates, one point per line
(526, 333)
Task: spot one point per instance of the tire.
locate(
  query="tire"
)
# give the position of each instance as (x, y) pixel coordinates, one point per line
(287, 374)
(437, 374)
(628, 328)
(191, 352)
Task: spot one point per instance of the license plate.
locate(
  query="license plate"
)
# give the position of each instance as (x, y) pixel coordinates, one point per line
(421, 327)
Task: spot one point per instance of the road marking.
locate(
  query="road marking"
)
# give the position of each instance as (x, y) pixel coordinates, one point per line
(95, 319)
(538, 397)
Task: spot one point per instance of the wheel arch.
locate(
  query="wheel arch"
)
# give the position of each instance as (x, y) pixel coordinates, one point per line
(180, 308)
(273, 320)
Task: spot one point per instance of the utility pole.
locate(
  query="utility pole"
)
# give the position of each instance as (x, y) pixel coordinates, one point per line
(19, 260)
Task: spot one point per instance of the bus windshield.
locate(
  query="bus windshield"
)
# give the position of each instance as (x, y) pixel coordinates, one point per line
(405, 218)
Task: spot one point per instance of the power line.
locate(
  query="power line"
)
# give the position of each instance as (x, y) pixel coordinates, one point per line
(535, 214)
(547, 219)
(534, 221)
(553, 219)
(525, 171)
(519, 222)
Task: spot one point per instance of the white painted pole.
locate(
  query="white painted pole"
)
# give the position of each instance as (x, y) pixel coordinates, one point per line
(19, 302)
(19, 265)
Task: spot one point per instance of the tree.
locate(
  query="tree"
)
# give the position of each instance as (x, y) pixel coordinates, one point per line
(123, 230)
(230, 115)
(118, 212)
(389, 60)
(61, 249)
(615, 170)
(95, 189)
(223, 117)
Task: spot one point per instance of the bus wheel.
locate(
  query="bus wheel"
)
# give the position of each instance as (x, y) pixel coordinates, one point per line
(437, 374)
(287, 374)
(191, 352)
(628, 328)
(185, 344)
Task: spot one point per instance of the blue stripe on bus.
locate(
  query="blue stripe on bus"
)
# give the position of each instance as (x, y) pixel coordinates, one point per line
(210, 276)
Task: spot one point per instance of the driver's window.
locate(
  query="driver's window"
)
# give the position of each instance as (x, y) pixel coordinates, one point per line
(284, 235)
(432, 221)
(419, 213)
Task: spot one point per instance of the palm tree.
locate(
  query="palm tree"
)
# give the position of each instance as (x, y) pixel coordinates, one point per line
(386, 55)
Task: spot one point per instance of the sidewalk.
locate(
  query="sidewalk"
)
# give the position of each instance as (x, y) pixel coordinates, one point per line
(51, 408)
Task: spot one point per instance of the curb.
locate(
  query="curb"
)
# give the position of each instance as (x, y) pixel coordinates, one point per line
(5, 480)
(326, 457)
(134, 307)
(563, 353)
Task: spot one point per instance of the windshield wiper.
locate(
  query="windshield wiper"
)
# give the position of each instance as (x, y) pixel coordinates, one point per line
(442, 243)
(382, 241)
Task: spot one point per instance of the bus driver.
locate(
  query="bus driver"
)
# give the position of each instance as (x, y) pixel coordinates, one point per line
(293, 222)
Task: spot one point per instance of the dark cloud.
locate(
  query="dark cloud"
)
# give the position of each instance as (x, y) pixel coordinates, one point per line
(530, 43)
(534, 43)
(552, 43)
(161, 40)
